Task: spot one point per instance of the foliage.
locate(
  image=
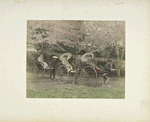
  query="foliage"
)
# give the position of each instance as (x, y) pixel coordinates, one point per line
(103, 38)
(30, 57)
(91, 36)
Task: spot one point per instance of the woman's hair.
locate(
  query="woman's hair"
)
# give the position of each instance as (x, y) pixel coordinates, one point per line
(65, 56)
(90, 56)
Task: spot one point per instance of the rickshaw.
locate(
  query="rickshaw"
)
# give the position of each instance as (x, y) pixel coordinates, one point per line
(87, 76)
(90, 73)
(64, 69)
(38, 69)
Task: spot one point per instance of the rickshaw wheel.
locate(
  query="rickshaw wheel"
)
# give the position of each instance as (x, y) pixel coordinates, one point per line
(62, 74)
(88, 76)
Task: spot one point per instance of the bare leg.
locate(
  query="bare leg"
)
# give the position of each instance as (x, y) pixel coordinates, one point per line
(77, 72)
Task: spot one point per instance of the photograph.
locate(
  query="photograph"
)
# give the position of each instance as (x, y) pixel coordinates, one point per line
(75, 59)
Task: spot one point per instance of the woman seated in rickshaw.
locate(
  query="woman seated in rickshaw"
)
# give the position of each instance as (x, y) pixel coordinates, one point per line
(64, 58)
(44, 64)
(88, 58)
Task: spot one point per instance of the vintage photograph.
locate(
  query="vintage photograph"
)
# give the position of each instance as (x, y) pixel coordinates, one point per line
(75, 59)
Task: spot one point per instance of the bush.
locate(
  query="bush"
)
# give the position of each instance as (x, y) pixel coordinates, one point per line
(30, 58)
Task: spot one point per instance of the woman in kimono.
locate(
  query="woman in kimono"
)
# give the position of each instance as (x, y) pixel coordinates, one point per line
(44, 64)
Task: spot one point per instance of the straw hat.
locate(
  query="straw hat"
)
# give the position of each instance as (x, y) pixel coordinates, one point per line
(54, 57)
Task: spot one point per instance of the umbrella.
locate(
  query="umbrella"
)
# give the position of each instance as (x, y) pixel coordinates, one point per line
(65, 54)
(86, 56)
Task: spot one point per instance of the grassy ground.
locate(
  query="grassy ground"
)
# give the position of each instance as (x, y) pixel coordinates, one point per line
(116, 91)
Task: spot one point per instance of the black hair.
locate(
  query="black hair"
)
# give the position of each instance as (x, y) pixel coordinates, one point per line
(66, 56)
(90, 56)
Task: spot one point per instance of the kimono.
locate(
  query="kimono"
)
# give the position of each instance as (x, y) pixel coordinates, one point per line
(90, 62)
(44, 64)
(68, 66)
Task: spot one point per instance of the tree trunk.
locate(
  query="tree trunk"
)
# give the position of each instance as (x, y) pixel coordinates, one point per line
(42, 49)
(87, 49)
(93, 40)
(118, 70)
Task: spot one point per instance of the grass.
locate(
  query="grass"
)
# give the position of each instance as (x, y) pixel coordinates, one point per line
(115, 92)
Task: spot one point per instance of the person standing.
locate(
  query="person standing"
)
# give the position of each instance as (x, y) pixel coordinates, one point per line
(54, 64)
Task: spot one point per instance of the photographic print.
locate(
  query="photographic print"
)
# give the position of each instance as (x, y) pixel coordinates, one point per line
(75, 59)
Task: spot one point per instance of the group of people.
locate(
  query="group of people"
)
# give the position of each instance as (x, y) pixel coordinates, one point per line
(79, 65)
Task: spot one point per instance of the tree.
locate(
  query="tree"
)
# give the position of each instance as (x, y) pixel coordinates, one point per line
(107, 38)
(104, 38)
(116, 34)
(89, 32)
